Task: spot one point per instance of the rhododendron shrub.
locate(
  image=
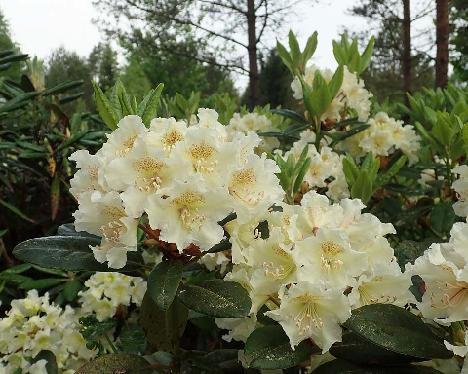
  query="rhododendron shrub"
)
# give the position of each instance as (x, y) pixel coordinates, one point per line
(333, 240)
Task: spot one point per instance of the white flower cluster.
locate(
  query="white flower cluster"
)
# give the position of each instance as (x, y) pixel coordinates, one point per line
(108, 291)
(444, 270)
(353, 98)
(383, 137)
(184, 178)
(254, 122)
(461, 188)
(325, 169)
(32, 325)
(319, 262)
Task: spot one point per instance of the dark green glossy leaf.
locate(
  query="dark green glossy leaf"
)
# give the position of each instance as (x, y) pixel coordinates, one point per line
(163, 329)
(268, 347)
(216, 298)
(358, 350)
(71, 253)
(397, 330)
(163, 282)
(442, 217)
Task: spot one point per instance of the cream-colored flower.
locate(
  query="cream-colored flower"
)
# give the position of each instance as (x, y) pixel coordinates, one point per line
(273, 266)
(165, 133)
(104, 215)
(121, 141)
(107, 291)
(34, 324)
(87, 176)
(386, 285)
(328, 257)
(254, 187)
(309, 311)
(254, 122)
(445, 298)
(190, 215)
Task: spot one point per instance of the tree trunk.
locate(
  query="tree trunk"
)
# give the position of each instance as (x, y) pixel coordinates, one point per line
(406, 57)
(252, 48)
(442, 41)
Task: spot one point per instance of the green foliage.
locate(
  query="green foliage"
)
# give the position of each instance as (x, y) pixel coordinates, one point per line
(96, 333)
(183, 107)
(348, 54)
(396, 330)
(163, 283)
(36, 138)
(117, 363)
(340, 366)
(275, 83)
(70, 253)
(103, 65)
(216, 298)
(163, 329)
(62, 66)
(318, 97)
(292, 172)
(118, 104)
(296, 60)
(384, 338)
(459, 39)
(268, 347)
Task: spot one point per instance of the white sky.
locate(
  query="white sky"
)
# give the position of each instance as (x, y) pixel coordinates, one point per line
(40, 26)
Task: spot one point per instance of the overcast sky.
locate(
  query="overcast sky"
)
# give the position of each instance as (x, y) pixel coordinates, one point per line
(40, 26)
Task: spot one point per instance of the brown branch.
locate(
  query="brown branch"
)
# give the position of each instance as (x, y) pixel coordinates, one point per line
(222, 5)
(265, 22)
(188, 22)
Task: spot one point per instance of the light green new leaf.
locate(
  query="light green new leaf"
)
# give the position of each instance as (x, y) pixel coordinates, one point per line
(105, 108)
(366, 56)
(336, 81)
(309, 49)
(295, 50)
(285, 56)
(150, 109)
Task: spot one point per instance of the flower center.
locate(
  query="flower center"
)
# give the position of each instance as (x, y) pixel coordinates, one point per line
(282, 267)
(127, 146)
(330, 252)
(202, 157)
(149, 170)
(242, 185)
(171, 137)
(309, 314)
(188, 205)
(113, 213)
(112, 231)
(447, 294)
